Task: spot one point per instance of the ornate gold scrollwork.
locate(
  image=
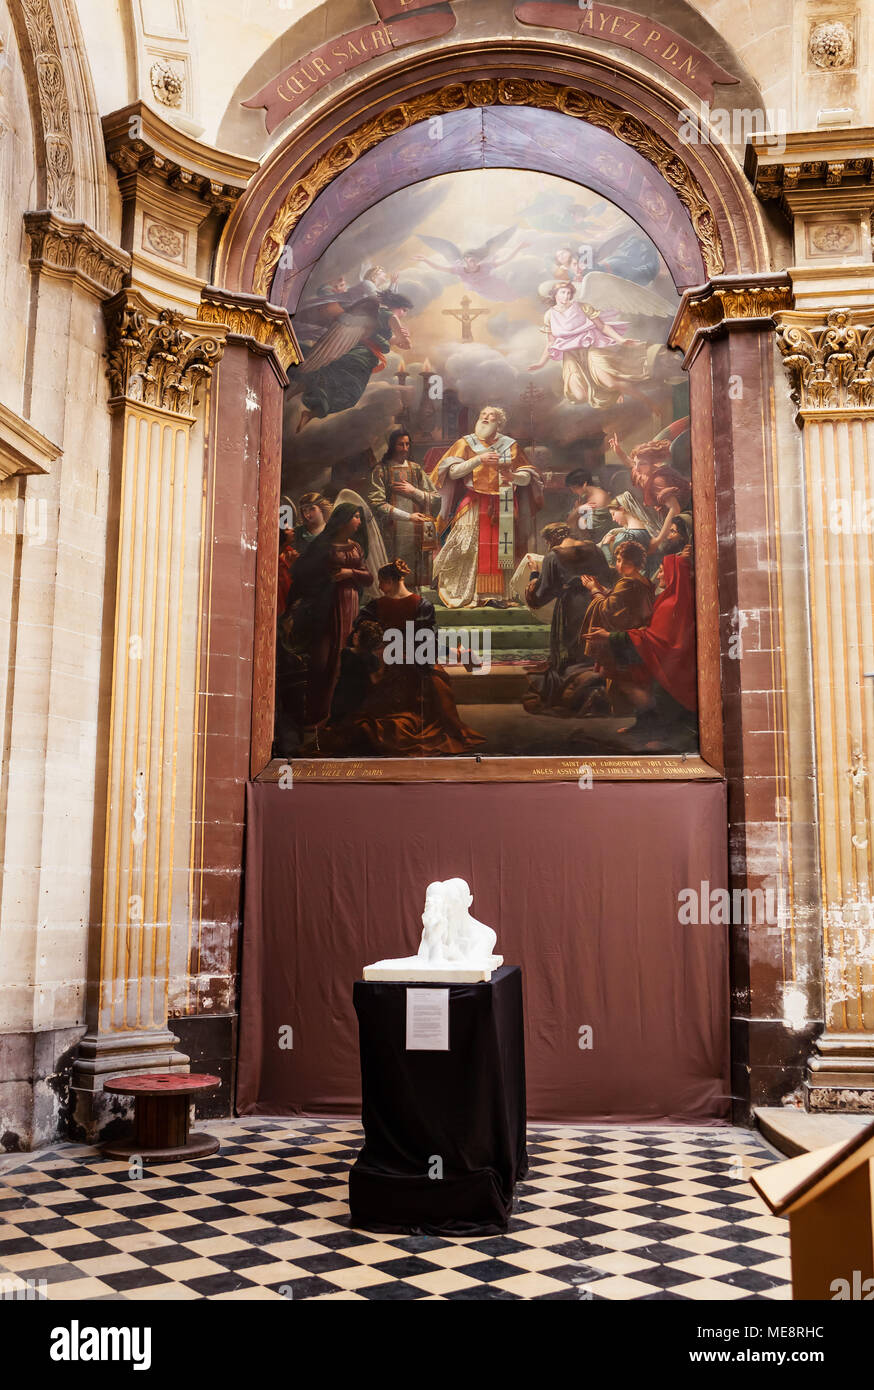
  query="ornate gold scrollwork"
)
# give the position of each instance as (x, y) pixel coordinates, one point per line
(514, 91)
(831, 364)
(724, 303)
(152, 358)
(266, 324)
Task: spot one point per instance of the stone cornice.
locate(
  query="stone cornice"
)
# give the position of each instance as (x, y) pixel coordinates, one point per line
(251, 316)
(726, 302)
(142, 145)
(74, 251)
(814, 170)
(829, 358)
(156, 357)
(22, 448)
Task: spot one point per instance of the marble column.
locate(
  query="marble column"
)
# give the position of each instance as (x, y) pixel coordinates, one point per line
(830, 358)
(821, 183)
(156, 363)
(175, 195)
(753, 672)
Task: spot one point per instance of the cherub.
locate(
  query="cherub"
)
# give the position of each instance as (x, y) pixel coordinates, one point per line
(475, 268)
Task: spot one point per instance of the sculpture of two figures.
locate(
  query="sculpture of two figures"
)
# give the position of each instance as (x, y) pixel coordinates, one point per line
(455, 947)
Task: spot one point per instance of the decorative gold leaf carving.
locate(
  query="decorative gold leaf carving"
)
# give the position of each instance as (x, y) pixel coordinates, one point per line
(514, 91)
(721, 303)
(831, 364)
(253, 318)
(151, 358)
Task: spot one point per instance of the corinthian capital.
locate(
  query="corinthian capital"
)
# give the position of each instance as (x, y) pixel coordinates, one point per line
(153, 358)
(831, 363)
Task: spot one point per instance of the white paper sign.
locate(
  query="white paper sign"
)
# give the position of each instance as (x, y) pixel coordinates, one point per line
(428, 1020)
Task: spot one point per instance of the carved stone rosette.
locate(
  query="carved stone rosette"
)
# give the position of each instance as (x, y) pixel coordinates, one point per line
(831, 46)
(515, 91)
(152, 359)
(831, 365)
(73, 250)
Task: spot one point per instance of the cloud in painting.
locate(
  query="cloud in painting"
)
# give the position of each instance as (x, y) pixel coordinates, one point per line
(311, 454)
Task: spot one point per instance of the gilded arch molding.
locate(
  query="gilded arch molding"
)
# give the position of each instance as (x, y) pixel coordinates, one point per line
(332, 132)
(516, 91)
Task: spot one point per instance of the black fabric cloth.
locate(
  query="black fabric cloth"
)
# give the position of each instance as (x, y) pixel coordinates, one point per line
(465, 1107)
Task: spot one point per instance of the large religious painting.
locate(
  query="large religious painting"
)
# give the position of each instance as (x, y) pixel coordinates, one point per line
(486, 529)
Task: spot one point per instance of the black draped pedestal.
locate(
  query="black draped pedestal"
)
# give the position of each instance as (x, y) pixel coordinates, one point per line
(444, 1132)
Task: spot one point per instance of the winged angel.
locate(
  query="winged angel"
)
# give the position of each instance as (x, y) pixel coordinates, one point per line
(363, 325)
(586, 329)
(476, 268)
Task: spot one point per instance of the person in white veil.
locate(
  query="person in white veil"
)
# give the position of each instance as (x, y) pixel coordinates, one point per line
(376, 554)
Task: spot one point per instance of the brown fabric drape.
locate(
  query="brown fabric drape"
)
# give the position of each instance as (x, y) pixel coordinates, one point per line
(582, 888)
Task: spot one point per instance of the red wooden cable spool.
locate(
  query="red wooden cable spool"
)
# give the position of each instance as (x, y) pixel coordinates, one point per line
(161, 1116)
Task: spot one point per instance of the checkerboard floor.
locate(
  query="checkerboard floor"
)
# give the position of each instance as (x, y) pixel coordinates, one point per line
(605, 1213)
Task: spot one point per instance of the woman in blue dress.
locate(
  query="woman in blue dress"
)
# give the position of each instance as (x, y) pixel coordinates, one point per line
(626, 527)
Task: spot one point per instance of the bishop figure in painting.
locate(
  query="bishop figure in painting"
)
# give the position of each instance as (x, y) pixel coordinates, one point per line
(491, 496)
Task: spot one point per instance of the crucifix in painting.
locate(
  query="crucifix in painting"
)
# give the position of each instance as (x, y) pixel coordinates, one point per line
(466, 317)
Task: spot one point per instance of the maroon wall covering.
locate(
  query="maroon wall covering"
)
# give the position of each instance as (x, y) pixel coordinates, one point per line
(581, 886)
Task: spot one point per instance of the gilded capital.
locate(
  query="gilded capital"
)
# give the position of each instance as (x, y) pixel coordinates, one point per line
(726, 302)
(830, 363)
(252, 316)
(153, 358)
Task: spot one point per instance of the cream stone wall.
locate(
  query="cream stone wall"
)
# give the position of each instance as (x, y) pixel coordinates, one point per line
(52, 590)
(51, 726)
(107, 28)
(18, 185)
(761, 34)
(211, 46)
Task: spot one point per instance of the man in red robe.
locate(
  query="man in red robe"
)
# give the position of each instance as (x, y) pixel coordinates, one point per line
(667, 646)
(491, 494)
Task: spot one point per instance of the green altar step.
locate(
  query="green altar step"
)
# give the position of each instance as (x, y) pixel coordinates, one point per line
(520, 641)
(512, 635)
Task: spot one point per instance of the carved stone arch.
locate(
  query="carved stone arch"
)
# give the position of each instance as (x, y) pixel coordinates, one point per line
(636, 109)
(71, 166)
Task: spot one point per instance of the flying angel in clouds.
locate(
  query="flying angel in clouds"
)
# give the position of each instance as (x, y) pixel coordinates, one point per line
(589, 330)
(364, 323)
(476, 268)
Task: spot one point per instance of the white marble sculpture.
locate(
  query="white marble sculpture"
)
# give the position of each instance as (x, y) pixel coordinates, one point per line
(455, 947)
